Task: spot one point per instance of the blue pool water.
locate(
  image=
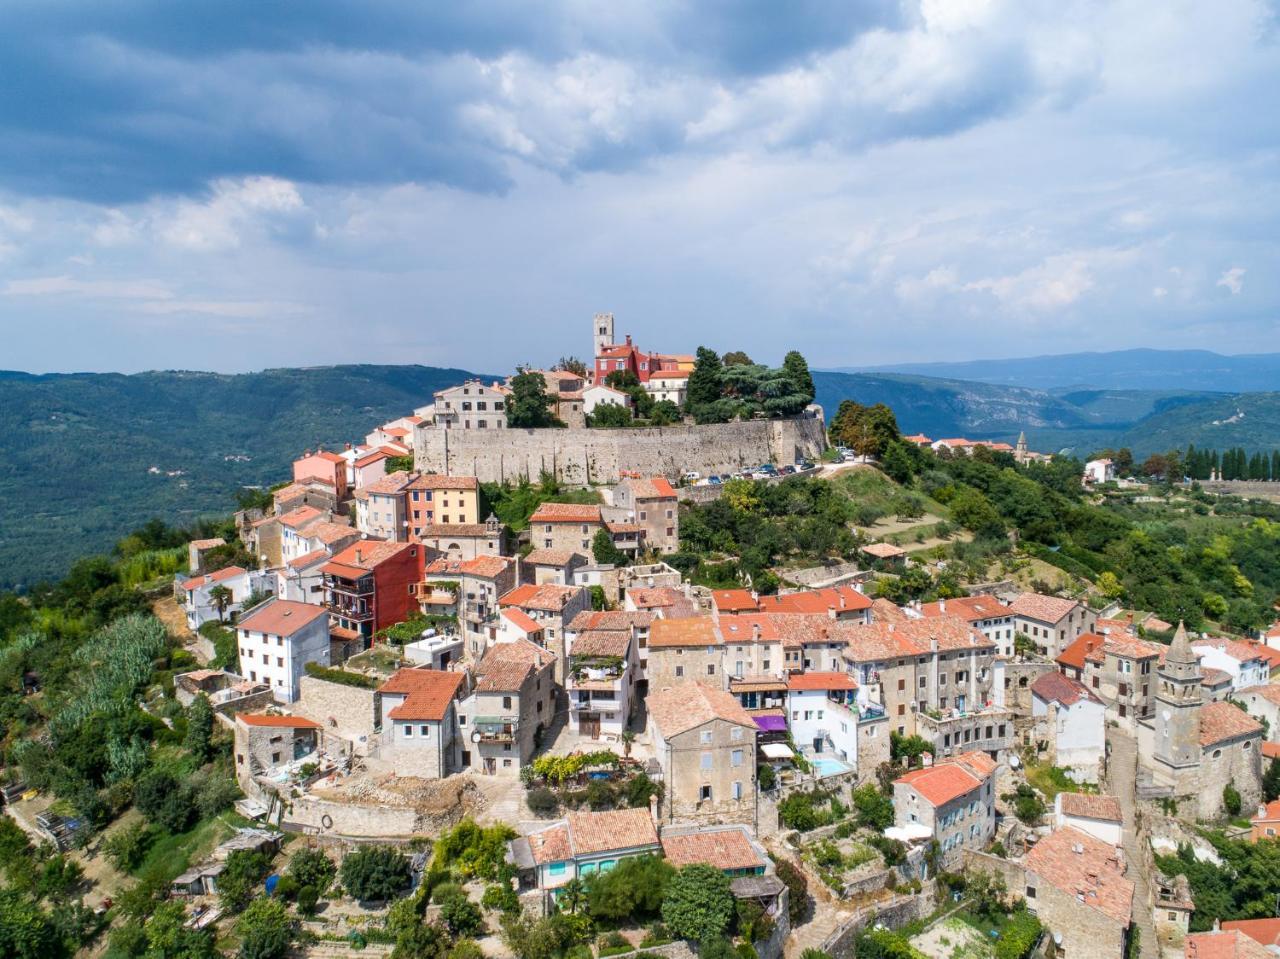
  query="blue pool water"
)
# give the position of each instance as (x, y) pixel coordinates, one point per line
(827, 766)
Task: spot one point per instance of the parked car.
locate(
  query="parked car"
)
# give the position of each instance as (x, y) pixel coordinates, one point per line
(714, 481)
(788, 470)
(692, 476)
(806, 465)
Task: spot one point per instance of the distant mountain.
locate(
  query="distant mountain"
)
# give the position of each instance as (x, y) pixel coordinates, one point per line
(1199, 370)
(76, 449)
(1250, 420)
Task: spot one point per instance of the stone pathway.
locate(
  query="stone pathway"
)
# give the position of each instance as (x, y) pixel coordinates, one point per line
(1122, 782)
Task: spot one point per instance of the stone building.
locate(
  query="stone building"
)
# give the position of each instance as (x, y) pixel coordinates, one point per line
(263, 745)
(512, 702)
(651, 504)
(1072, 722)
(954, 799)
(706, 744)
(552, 608)
(471, 406)
(467, 540)
(1194, 748)
(1051, 622)
(419, 722)
(1075, 884)
(1119, 669)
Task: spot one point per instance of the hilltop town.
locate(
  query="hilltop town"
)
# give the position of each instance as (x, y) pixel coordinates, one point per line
(628, 656)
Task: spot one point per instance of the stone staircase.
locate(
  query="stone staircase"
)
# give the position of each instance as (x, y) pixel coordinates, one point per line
(1122, 782)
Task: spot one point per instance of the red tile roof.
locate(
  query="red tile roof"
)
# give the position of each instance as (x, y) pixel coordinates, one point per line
(550, 597)
(808, 681)
(840, 598)
(884, 550)
(1270, 812)
(1271, 750)
(1222, 721)
(1044, 609)
(522, 621)
(217, 576)
(1091, 807)
(941, 783)
(282, 722)
(591, 833)
(969, 608)
(565, 513)
(734, 600)
(655, 487)
(427, 693)
(506, 665)
(435, 481)
(727, 849)
(307, 559)
(1057, 688)
(551, 844)
(297, 518)
(552, 557)
(691, 631)
(678, 709)
(1086, 868)
(281, 617)
(1233, 943)
(360, 558)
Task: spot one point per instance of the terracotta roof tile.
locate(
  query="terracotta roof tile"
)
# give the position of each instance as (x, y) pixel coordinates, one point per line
(841, 598)
(1044, 609)
(734, 600)
(300, 517)
(596, 832)
(1091, 806)
(521, 621)
(611, 619)
(550, 844)
(217, 576)
(281, 617)
(1057, 688)
(427, 692)
(549, 597)
(1079, 865)
(566, 513)
(677, 709)
(1222, 721)
(552, 557)
(654, 487)
(600, 643)
(969, 608)
(693, 631)
(367, 554)
(1227, 943)
(506, 665)
(280, 722)
(726, 849)
(942, 782)
(884, 550)
(439, 531)
(817, 680)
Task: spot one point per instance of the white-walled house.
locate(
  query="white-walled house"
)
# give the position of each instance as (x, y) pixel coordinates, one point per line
(1099, 816)
(582, 844)
(1099, 471)
(1263, 702)
(599, 682)
(1243, 662)
(1074, 721)
(600, 394)
(195, 593)
(822, 714)
(277, 639)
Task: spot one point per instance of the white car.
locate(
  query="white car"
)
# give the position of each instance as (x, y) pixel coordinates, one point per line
(692, 476)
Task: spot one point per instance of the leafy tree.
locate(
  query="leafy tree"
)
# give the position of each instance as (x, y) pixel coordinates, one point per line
(311, 867)
(874, 809)
(529, 405)
(375, 873)
(705, 389)
(737, 358)
(974, 511)
(867, 430)
(796, 368)
(610, 416)
(664, 413)
(1027, 804)
(266, 931)
(1231, 800)
(422, 940)
(1271, 781)
(632, 892)
(165, 801)
(699, 903)
(797, 886)
(604, 550)
(461, 915)
(398, 464)
(571, 364)
(200, 728)
(167, 935)
(240, 879)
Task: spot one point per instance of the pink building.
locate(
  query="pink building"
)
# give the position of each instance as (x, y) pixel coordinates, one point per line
(325, 466)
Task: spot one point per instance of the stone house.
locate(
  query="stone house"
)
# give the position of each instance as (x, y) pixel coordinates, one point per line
(683, 651)
(557, 566)
(467, 540)
(632, 625)
(1051, 622)
(1073, 722)
(265, 744)
(301, 579)
(581, 845)
(419, 722)
(955, 799)
(572, 526)
(651, 504)
(670, 385)
(277, 639)
(1232, 941)
(705, 743)
(476, 586)
(196, 550)
(1075, 884)
(471, 406)
(1099, 816)
(310, 491)
(552, 607)
(1119, 669)
(1265, 823)
(512, 701)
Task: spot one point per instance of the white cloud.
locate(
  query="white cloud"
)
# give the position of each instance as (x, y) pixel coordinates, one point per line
(218, 223)
(240, 310)
(1058, 281)
(1233, 280)
(106, 289)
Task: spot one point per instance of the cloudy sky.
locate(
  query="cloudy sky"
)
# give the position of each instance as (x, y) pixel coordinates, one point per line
(240, 185)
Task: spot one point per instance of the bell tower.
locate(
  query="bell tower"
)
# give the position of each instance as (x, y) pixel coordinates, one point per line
(1177, 720)
(602, 333)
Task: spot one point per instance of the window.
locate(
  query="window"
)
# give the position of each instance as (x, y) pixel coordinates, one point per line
(408, 731)
(711, 669)
(706, 735)
(704, 793)
(735, 758)
(275, 757)
(679, 671)
(902, 684)
(922, 682)
(506, 702)
(556, 869)
(1031, 892)
(424, 730)
(737, 790)
(706, 761)
(736, 733)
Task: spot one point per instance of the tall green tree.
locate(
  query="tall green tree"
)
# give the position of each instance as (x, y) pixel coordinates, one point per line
(699, 903)
(200, 728)
(797, 369)
(266, 931)
(529, 406)
(705, 385)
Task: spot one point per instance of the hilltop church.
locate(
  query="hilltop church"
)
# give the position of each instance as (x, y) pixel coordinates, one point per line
(1194, 748)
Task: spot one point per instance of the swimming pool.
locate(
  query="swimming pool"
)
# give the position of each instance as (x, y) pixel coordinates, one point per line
(826, 766)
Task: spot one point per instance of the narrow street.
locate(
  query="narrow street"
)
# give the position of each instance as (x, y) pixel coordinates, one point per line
(1122, 776)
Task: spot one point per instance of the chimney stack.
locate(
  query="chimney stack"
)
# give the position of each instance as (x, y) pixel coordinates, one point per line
(653, 807)
(831, 612)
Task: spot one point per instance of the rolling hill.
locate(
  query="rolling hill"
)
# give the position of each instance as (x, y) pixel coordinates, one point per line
(78, 450)
(1142, 369)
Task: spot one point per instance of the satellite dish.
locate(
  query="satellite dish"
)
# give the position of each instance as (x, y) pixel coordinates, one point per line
(1014, 761)
(1165, 715)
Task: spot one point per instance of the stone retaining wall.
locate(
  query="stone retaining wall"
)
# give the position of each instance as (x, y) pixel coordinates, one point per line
(346, 711)
(585, 457)
(892, 913)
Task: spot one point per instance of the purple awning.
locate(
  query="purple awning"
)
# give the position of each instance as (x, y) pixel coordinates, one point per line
(771, 724)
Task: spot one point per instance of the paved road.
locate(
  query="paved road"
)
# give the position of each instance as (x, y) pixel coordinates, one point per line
(1122, 776)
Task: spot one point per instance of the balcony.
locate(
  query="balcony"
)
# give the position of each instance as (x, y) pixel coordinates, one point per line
(494, 729)
(479, 613)
(349, 587)
(428, 594)
(352, 610)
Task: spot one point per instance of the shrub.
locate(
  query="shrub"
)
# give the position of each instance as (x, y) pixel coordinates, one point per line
(375, 874)
(1231, 800)
(1018, 936)
(265, 930)
(542, 801)
(341, 676)
(461, 915)
(445, 891)
(766, 777)
(500, 897)
(798, 887)
(127, 848)
(164, 801)
(699, 904)
(308, 900)
(311, 867)
(466, 949)
(238, 881)
(631, 892)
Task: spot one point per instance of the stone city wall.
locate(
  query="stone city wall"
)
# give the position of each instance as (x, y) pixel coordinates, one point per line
(584, 457)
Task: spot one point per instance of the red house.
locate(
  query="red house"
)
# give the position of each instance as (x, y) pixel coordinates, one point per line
(369, 585)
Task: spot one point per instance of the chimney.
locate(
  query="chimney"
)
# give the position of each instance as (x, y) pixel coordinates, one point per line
(628, 339)
(359, 558)
(348, 446)
(831, 612)
(755, 631)
(653, 807)
(842, 601)
(942, 606)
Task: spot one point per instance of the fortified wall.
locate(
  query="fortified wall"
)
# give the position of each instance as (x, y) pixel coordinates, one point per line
(583, 457)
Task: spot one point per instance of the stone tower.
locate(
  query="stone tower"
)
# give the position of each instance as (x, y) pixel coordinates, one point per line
(1020, 451)
(602, 332)
(1177, 720)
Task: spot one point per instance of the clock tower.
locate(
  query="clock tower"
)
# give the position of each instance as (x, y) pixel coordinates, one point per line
(1177, 720)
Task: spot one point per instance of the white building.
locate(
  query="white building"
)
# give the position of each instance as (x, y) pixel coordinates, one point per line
(822, 714)
(471, 406)
(670, 385)
(1099, 816)
(599, 682)
(1243, 662)
(277, 639)
(600, 394)
(1074, 721)
(196, 594)
(300, 580)
(1263, 702)
(420, 731)
(1099, 471)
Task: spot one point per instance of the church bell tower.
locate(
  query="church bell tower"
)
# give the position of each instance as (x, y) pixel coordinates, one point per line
(1177, 720)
